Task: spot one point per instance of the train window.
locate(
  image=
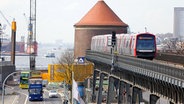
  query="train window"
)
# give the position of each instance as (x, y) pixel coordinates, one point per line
(127, 43)
(132, 42)
(109, 40)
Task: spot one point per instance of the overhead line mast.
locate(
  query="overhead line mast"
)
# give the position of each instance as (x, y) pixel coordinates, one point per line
(32, 44)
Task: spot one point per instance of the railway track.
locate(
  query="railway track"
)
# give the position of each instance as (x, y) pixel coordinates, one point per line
(170, 59)
(177, 65)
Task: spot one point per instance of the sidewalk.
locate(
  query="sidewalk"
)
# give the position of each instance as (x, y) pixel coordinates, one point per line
(10, 96)
(63, 94)
(9, 99)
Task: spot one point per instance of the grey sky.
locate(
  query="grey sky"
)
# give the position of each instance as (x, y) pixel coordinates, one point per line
(55, 18)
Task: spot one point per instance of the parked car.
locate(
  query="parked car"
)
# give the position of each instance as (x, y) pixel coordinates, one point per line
(53, 93)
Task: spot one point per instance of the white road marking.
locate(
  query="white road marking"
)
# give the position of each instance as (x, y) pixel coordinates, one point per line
(12, 88)
(25, 95)
(16, 97)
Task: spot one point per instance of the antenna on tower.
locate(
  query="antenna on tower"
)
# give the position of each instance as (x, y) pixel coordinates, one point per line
(145, 29)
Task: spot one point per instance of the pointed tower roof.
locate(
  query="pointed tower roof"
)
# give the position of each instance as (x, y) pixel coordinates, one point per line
(101, 15)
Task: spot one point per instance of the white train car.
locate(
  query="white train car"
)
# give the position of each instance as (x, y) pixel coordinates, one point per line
(142, 45)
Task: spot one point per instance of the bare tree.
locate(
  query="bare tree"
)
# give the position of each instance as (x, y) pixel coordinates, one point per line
(66, 60)
(172, 44)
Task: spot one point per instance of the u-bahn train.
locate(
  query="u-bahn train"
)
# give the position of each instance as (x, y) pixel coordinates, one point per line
(141, 45)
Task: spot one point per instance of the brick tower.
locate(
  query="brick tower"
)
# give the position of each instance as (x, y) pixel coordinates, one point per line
(100, 19)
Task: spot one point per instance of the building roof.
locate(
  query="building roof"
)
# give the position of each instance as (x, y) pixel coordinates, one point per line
(101, 15)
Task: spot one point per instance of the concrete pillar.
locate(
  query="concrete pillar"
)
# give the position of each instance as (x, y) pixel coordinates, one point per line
(102, 75)
(136, 95)
(110, 90)
(121, 92)
(94, 85)
(128, 95)
(153, 99)
(116, 85)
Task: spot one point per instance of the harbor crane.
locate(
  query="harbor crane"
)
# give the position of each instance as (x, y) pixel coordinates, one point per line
(2, 28)
(5, 18)
(32, 44)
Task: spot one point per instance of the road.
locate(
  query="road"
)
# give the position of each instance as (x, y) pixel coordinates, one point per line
(15, 95)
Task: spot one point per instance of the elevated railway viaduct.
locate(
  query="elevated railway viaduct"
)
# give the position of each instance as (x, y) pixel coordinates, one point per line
(132, 76)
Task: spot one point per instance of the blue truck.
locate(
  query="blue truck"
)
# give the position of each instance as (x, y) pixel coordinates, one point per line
(35, 89)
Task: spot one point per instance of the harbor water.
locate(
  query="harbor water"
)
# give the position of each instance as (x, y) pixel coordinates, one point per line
(23, 62)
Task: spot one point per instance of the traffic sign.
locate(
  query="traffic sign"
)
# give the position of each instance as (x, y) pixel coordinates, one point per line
(81, 60)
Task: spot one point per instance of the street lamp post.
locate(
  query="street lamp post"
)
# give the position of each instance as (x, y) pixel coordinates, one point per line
(1, 77)
(4, 84)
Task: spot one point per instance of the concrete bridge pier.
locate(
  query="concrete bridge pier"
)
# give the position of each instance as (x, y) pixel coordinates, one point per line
(153, 99)
(94, 86)
(128, 94)
(110, 94)
(125, 93)
(136, 95)
(122, 92)
(102, 75)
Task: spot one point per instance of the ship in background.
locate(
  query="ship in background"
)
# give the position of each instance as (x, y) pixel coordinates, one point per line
(6, 46)
(22, 49)
(50, 55)
(21, 46)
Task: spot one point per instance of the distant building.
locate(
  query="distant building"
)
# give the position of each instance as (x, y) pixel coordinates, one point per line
(179, 22)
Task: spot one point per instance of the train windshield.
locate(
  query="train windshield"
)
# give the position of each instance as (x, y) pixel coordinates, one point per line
(146, 43)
